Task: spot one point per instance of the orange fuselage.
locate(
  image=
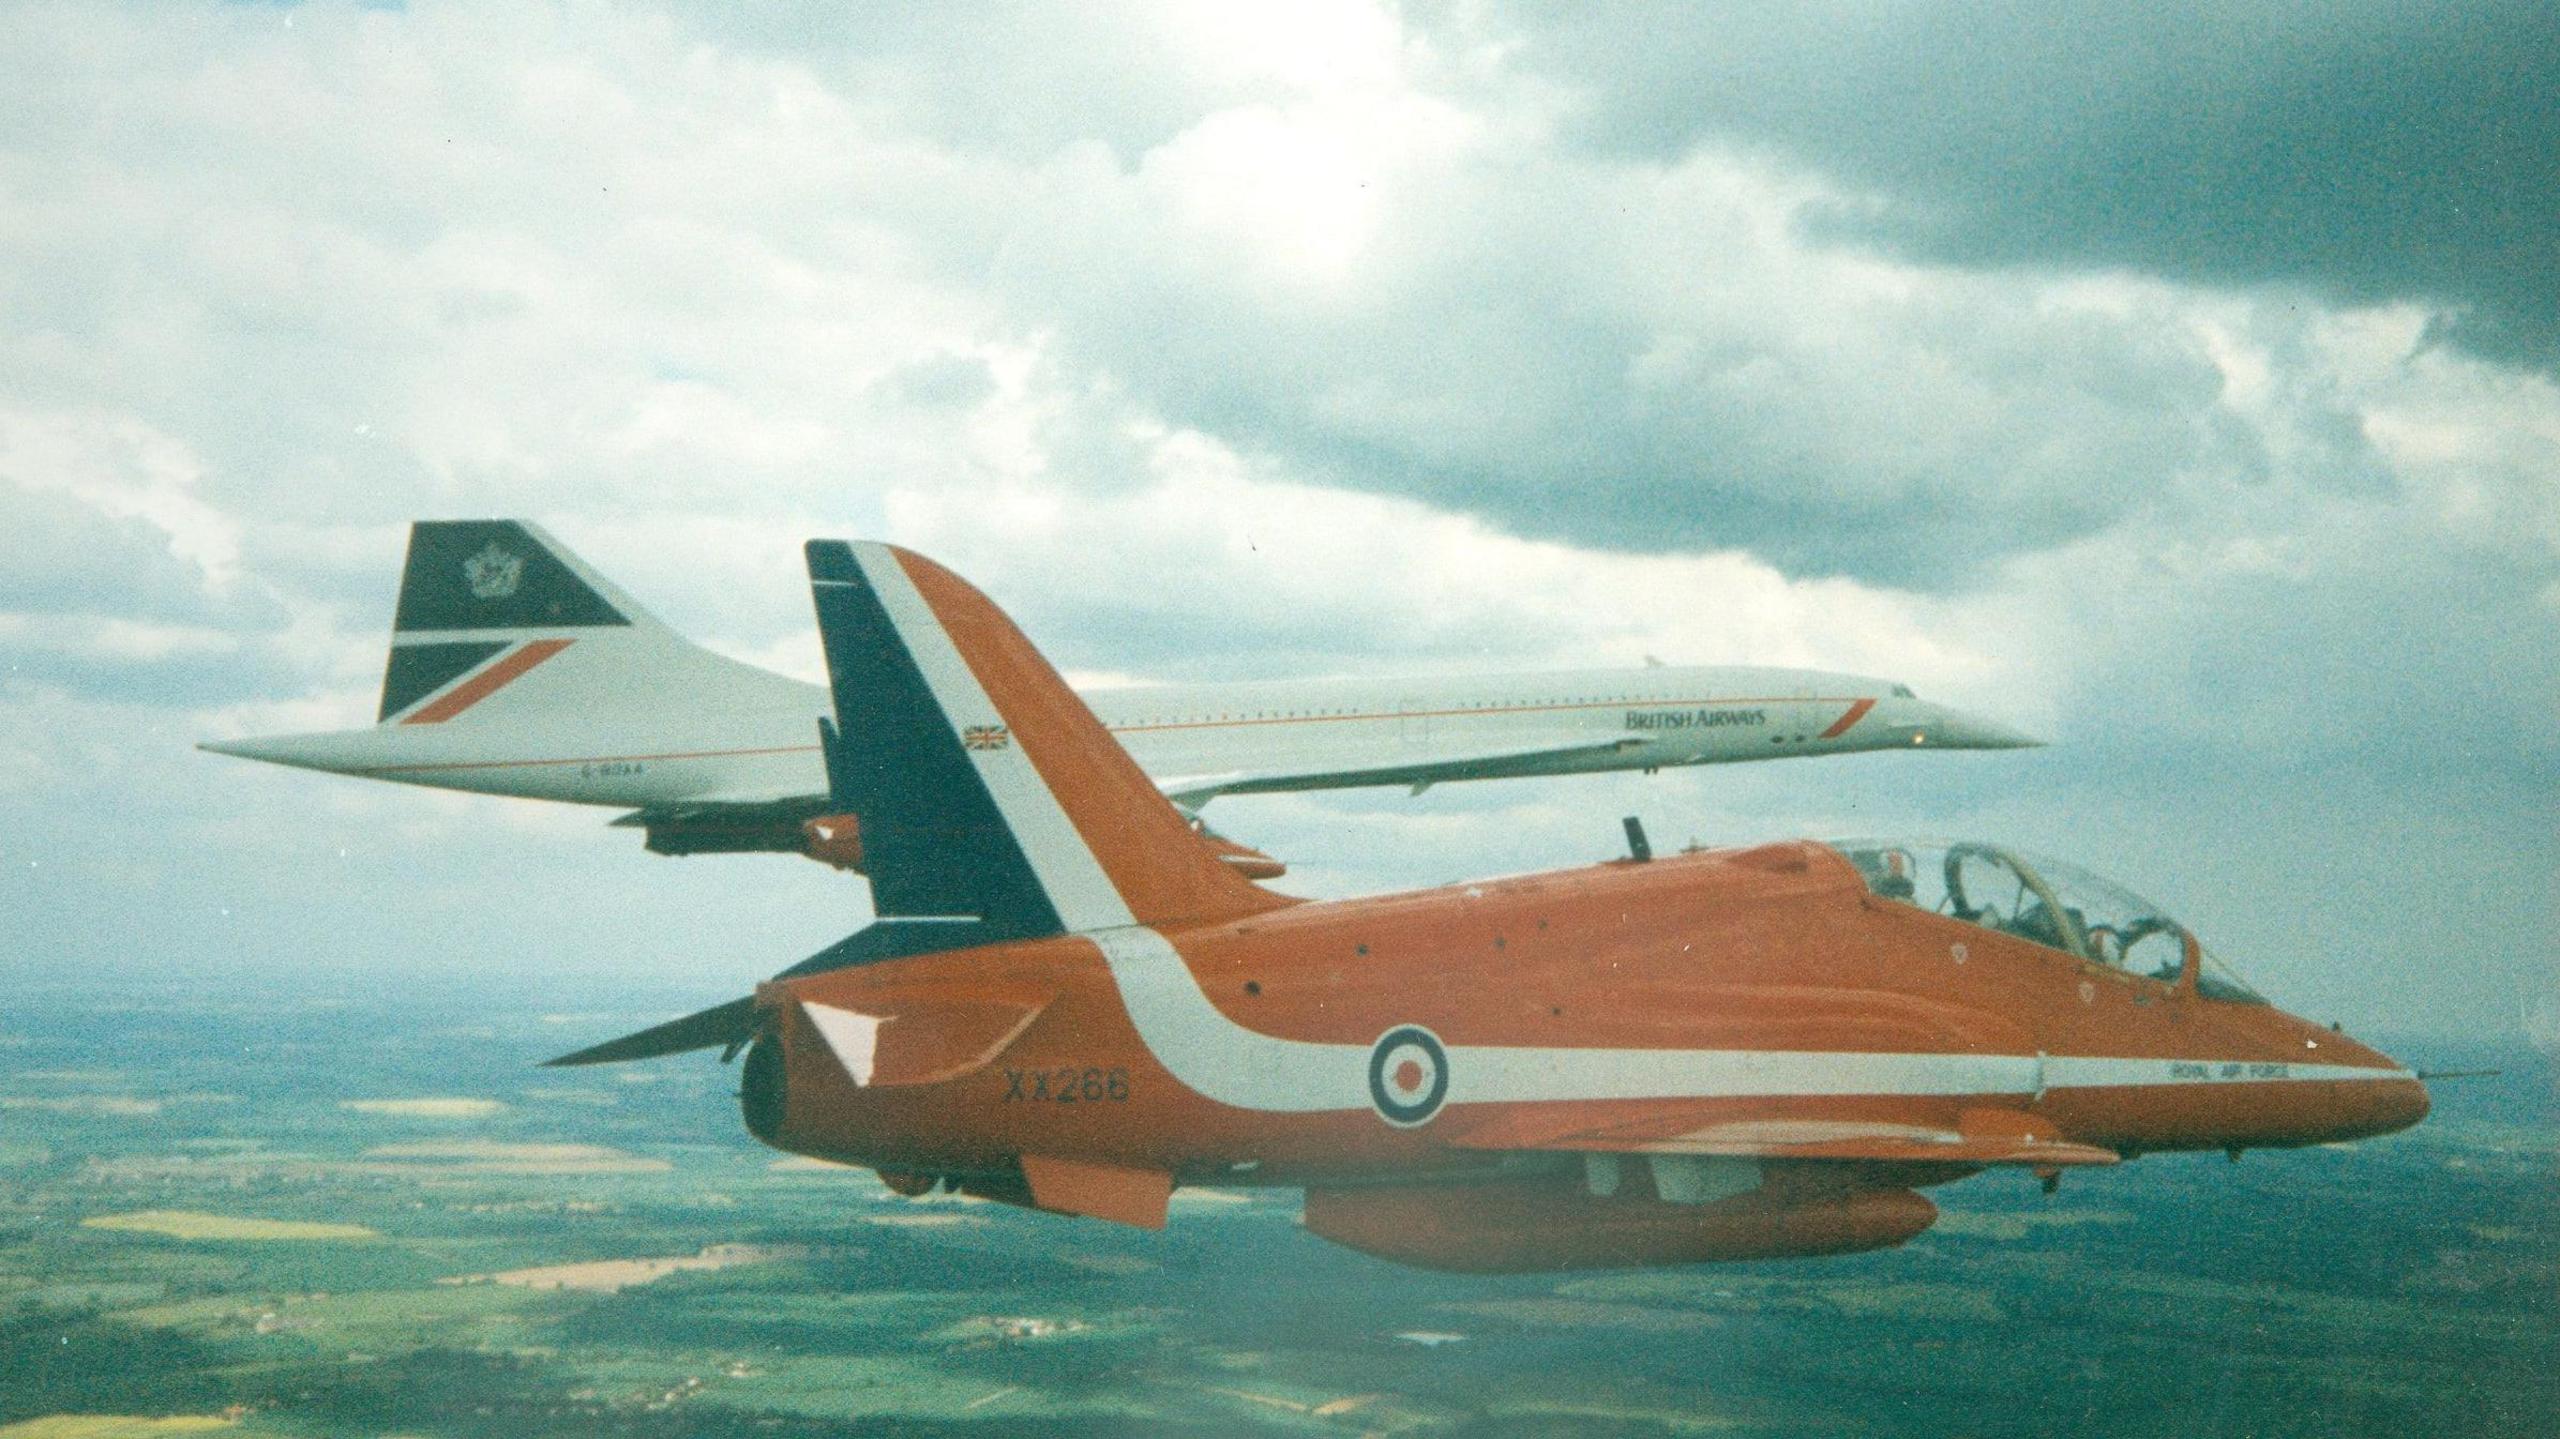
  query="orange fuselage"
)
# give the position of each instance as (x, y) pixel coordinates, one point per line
(1032, 1049)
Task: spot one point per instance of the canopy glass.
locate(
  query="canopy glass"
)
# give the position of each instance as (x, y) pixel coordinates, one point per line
(2055, 904)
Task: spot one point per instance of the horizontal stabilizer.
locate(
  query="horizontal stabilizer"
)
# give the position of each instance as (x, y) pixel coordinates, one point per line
(718, 1027)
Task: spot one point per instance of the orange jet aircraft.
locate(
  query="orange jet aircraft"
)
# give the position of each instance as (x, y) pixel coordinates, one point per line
(1067, 1003)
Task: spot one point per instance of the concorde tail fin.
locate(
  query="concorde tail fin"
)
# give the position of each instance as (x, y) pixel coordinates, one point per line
(484, 603)
(513, 664)
(982, 785)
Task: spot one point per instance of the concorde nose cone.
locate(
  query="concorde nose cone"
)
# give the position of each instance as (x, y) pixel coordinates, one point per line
(1936, 726)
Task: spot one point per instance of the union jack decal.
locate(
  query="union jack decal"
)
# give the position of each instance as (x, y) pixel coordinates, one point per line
(986, 736)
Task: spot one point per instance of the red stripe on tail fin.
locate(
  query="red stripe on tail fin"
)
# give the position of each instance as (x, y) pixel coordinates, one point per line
(486, 683)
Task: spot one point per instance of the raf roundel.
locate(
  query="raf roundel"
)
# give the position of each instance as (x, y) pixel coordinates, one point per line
(1408, 1075)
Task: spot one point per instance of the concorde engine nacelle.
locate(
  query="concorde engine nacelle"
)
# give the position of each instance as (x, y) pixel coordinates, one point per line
(1557, 1222)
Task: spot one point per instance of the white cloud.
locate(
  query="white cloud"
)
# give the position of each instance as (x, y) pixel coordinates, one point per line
(1214, 341)
(1208, 544)
(114, 638)
(123, 469)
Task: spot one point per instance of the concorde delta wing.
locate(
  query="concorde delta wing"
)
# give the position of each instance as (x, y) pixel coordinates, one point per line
(1617, 752)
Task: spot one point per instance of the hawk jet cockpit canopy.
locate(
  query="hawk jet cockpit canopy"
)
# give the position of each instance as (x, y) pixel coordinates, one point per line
(2052, 903)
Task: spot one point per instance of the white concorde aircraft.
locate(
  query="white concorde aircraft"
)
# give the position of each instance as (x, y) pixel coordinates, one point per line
(516, 669)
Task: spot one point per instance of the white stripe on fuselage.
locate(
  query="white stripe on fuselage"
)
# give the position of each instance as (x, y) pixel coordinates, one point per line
(2091, 1071)
(1247, 1069)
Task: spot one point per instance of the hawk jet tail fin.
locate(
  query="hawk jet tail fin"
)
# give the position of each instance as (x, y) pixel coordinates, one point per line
(982, 785)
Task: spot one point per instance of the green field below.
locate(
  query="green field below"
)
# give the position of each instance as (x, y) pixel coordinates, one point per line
(617, 1258)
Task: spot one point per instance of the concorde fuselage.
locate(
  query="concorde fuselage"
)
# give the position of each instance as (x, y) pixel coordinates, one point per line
(757, 738)
(516, 668)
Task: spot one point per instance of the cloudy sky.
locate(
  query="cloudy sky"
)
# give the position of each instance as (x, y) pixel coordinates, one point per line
(2175, 381)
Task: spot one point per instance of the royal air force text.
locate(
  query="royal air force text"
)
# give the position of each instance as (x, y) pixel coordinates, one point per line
(2229, 1069)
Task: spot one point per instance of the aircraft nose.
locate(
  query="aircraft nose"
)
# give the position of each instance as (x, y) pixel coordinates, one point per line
(1938, 726)
(2394, 1099)
(2396, 1104)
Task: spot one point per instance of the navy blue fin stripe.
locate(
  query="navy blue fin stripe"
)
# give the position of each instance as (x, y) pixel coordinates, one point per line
(933, 841)
(417, 671)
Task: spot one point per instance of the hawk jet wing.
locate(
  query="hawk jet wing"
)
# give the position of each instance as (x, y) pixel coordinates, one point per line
(1990, 1135)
